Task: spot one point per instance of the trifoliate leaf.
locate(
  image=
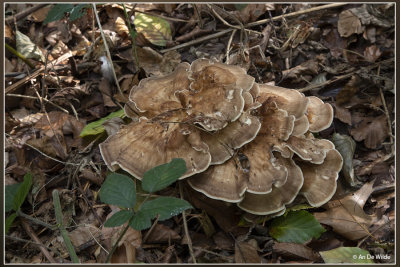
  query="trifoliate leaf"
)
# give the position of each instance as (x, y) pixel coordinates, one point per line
(118, 190)
(163, 175)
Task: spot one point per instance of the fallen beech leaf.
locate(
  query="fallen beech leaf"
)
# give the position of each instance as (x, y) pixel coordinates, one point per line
(121, 27)
(162, 234)
(295, 251)
(372, 132)
(372, 53)
(346, 255)
(346, 147)
(156, 30)
(97, 127)
(348, 91)
(246, 253)
(348, 24)
(27, 48)
(343, 114)
(296, 226)
(346, 215)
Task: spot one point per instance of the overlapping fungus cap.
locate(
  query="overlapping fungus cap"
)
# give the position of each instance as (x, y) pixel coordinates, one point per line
(243, 142)
(195, 113)
(283, 161)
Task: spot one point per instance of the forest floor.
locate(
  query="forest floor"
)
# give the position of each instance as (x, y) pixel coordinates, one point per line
(341, 53)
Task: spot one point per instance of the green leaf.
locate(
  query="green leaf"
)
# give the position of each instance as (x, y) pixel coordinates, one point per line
(22, 191)
(155, 29)
(118, 190)
(119, 218)
(10, 191)
(10, 219)
(97, 127)
(57, 12)
(166, 207)
(27, 48)
(141, 221)
(347, 255)
(163, 175)
(346, 147)
(296, 226)
(78, 11)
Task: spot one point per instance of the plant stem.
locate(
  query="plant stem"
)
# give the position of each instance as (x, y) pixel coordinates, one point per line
(26, 216)
(19, 55)
(133, 37)
(64, 233)
(119, 239)
(107, 50)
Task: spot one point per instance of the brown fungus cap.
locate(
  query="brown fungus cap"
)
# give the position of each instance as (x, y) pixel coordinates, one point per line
(294, 102)
(156, 95)
(301, 126)
(215, 95)
(320, 180)
(223, 143)
(319, 114)
(275, 201)
(140, 146)
(226, 182)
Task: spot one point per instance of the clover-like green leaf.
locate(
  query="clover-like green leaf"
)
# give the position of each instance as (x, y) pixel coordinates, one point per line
(118, 190)
(163, 175)
(119, 218)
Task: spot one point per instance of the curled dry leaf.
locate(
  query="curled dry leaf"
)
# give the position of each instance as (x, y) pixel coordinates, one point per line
(346, 215)
(349, 24)
(372, 131)
(242, 142)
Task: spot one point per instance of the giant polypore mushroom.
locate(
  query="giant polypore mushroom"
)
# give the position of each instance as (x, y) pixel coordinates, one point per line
(243, 142)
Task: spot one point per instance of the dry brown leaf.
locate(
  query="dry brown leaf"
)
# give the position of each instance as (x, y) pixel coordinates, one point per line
(295, 251)
(121, 27)
(346, 215)
(162, 234)
(246, 253)
(372, 53)
(373, 132)
(348, 91)
(343, 114)
(348, 24)
(84, 234)
(334, 42)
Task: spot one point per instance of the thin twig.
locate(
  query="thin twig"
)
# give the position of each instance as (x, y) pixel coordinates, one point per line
(189, 240)
(32, 234)
(50, 157)
(256, 23)
(25, 13)
(228, 47)
(344, 76)
(37, 221)
(107, 50)
(294, 14)
(44, 99)
(386, 113)
(151, 229)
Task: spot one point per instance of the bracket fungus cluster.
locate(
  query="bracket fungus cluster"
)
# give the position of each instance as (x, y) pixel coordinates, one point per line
(243, 142)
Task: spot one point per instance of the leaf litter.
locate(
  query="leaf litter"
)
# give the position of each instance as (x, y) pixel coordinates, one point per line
(344, 55)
